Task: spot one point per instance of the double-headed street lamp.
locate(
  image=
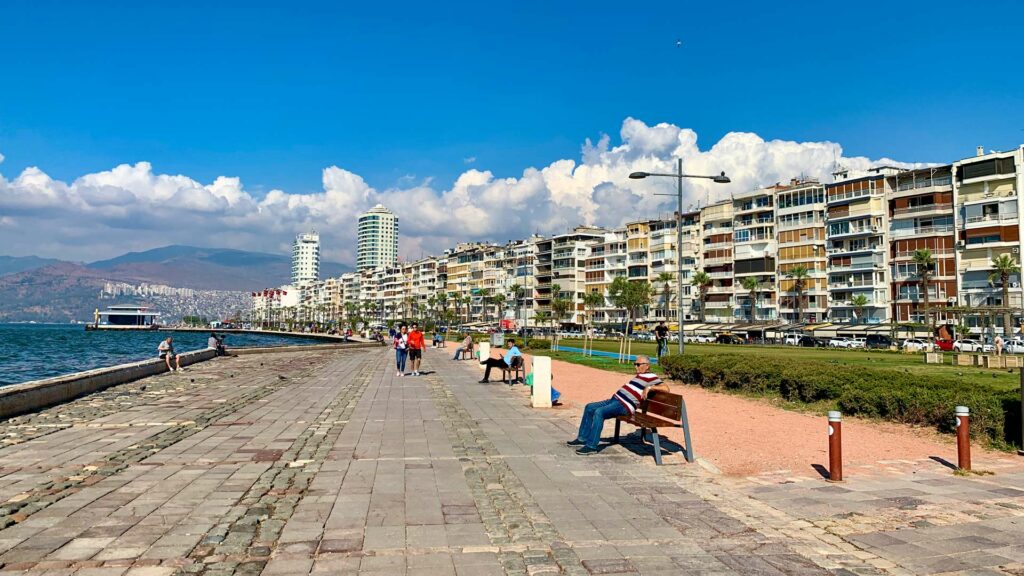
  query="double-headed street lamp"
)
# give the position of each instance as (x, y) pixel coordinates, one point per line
(720, 179)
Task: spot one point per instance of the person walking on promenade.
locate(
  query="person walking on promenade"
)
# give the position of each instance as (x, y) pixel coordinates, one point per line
(416, 345)
(623, 403)
(503, 363)
(999, 345)
(467, 344)
(166, 350)
(661, 336)
(401, 345)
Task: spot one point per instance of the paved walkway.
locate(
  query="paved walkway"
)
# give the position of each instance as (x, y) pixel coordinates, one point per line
(323, 462)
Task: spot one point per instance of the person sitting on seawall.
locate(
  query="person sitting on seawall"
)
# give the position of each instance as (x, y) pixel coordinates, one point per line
(217, 343)
(166, 350)
(467, 344)
(623, 403)
(502, 363)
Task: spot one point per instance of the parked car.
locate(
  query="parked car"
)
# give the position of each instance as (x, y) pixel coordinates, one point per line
(858, 343)
(971, 345)
(811, 342)
(944, 344)
(915, 345)
(877, 341)
(791, 340)
(839, 342)
(1014, 346)
(729, 339)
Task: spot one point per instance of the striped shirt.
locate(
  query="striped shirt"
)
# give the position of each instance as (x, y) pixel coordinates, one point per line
(631, 394)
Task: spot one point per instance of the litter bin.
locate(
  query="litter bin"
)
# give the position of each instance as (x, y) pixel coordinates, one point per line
(498, 339)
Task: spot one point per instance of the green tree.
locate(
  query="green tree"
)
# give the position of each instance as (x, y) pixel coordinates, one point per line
(860, 302)
(1004, 266)
(799, 274)
(591, 302)
(702, 281)
(925, 268)
(666, 279)
(499, 307)
(631, 297)
(750, 284)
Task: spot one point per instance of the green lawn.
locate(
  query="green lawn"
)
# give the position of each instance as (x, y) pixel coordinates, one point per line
(911, 363)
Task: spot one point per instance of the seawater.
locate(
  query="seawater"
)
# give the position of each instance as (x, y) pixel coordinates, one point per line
(34, 351)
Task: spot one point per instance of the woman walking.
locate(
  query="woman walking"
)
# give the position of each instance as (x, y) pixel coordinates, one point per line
(401, 344)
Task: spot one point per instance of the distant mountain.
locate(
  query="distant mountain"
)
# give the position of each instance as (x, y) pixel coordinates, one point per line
(206, 268)
(15, 264)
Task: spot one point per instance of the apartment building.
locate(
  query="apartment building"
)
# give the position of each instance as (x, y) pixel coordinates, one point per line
(568, 255)
(986, 195)
(858, 246)
(921, 217)
(800, 224)
(605, 262)
(718, 260)
(754, 253)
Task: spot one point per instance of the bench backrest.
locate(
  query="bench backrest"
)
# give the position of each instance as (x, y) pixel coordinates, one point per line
(517, 362)
(664, 404)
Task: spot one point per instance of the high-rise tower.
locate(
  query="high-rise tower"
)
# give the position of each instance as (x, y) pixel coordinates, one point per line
(306, 258)
(378, 238)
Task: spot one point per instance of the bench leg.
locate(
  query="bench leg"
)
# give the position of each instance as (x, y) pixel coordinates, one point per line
(617, 423)
(688, 449)
(657, 446)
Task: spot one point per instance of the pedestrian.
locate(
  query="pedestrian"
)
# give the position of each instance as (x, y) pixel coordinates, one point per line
(623, 403)
(166, 350)
(216, 343)
(999, 345)
(503, 363)
(661, 336)
(401, 345)
(416, 346)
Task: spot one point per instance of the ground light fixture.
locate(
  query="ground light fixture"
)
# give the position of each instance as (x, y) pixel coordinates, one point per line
(721, 178)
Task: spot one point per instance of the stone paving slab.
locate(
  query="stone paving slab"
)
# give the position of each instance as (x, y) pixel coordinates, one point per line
(324, 462)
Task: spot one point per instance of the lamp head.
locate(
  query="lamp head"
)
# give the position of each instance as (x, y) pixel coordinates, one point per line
(638, 175)
(720, 179)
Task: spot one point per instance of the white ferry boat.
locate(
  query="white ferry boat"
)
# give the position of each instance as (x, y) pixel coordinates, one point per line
(125, 317)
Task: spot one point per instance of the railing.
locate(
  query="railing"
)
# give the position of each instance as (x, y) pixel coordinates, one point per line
(935, 252)
(868, 265)
(720, 274)
(716, 261)
(851, 284)
(758, 238)
(992, 218)
(923, 208)
(925, 183)
(922, 231)
(847, 195)
(855, 231)
(716, 245)
(784, 225)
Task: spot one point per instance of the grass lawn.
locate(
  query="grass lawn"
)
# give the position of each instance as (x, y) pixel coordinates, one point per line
(910, 363)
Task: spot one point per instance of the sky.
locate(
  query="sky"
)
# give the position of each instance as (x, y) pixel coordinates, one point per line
(127, 126)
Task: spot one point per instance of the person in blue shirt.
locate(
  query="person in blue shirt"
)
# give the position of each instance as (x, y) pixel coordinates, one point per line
(502, 363)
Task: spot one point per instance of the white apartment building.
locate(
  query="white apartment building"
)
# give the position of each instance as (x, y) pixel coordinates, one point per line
(377, 238)
(800, 228)
(754, 252)
(306, 258)
(718, 261)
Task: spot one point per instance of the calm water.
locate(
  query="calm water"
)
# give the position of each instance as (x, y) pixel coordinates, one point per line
(34, 351)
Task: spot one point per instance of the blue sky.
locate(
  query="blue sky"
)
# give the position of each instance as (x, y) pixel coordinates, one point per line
(275, 92)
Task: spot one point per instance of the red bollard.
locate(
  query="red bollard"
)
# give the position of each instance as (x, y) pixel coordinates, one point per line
(963, 438)
(835, 446)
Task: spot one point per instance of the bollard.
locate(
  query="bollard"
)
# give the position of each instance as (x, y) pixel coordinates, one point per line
(963, 438)
(1021, 451)
(541, 393)
(835, 446)
(485, 353)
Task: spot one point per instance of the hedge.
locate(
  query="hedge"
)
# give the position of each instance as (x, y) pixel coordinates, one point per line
(538, 344)
(860, 391)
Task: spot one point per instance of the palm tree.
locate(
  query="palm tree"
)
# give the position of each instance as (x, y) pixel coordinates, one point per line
(860, 302)
(1005, 266)
(591, 301)
(467, 302)
(702, 281)
(925, 268)
(485, 299)
(666, 290)
(542, 316)
(517, 292)
(750, 284)
(799, 274)
(499, 302)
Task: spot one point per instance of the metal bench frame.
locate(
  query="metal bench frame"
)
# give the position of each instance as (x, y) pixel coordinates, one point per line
(517, 369)
(660, 409)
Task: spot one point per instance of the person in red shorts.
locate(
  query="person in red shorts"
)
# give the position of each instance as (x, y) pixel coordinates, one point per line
(416, 346)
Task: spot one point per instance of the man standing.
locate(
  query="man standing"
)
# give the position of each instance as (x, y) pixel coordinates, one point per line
(661, 337)
(416, 346)
(623, 403)
(503, 363)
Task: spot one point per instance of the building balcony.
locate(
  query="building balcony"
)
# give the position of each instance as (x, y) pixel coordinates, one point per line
(990, 219)
(909, 254)
(922, 231)
(789, 225)
(853, 232)
(718, 261)
(714, 245)
(850, 284)
(923, 210)
(720, 274)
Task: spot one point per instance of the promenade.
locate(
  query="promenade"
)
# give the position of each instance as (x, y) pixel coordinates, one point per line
(324, 462)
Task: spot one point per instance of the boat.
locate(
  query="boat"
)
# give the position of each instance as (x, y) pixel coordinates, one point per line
(125, 317)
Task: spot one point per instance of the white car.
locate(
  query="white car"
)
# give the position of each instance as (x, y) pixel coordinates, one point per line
(858, 343)
(700, 339)
(971, 345)
(839, 342)
(915, 345)
(1015, 346)
(791, 340)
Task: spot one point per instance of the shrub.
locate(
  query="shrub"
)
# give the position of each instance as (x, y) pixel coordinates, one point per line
(538, 344)
(873, 392)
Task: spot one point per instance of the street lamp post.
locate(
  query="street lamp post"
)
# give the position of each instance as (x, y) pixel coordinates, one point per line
(720, 179)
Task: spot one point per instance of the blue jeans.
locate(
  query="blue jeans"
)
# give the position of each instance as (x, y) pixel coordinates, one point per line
(400, 356)
(594, 416)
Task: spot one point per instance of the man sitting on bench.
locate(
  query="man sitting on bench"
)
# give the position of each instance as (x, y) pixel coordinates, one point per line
(623, 403)
(503, 363)
(467, 345)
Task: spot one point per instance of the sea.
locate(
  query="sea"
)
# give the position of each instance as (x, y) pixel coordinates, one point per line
(35, 351)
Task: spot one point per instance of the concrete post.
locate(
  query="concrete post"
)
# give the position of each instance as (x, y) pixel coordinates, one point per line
(835, 446)
(485, 352)
(541, 395)
(963, 438)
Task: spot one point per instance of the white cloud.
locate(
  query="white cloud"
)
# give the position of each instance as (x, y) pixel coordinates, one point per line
(131, 207)
(469, 160)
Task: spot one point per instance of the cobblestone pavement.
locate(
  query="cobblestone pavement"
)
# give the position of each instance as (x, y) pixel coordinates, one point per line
(323, 462)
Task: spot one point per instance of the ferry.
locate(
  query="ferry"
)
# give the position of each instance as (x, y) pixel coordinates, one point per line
(125, 317)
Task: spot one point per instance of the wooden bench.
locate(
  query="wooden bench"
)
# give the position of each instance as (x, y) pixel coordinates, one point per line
(516, 370)
(660, 410)
(465, 354)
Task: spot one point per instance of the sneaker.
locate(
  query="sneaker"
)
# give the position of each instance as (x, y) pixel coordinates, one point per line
(484, 382)
(575, 443)
(586, 451)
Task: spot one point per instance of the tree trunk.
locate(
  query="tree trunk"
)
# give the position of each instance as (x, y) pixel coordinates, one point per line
(1007, 315)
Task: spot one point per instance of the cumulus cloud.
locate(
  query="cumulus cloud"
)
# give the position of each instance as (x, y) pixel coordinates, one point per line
(133, 207)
